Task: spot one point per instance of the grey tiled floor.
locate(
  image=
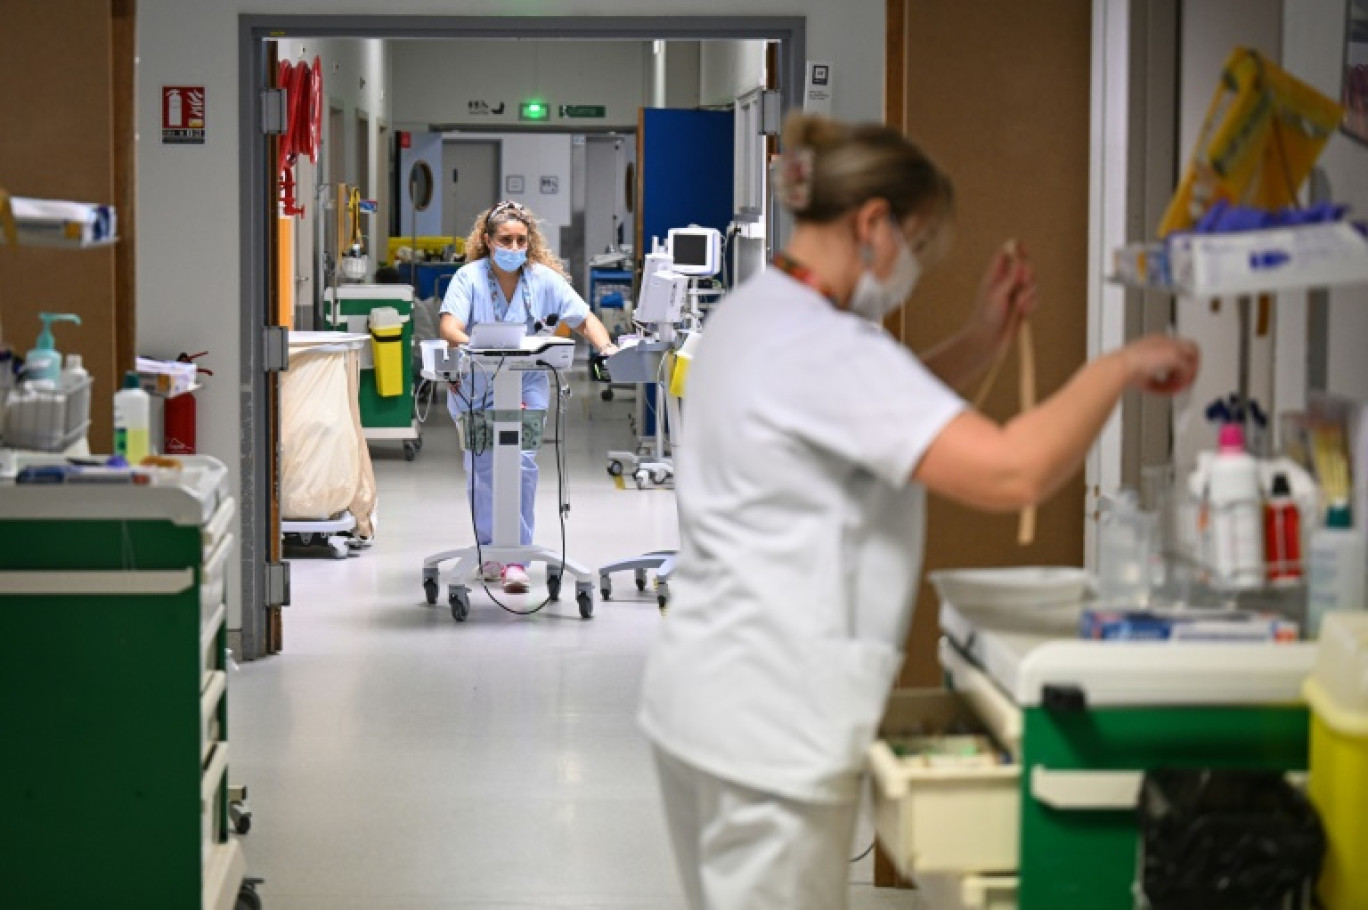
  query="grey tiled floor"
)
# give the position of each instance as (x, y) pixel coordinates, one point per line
(396, 759)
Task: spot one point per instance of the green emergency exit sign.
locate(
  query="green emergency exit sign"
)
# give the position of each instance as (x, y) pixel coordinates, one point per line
(583, 110)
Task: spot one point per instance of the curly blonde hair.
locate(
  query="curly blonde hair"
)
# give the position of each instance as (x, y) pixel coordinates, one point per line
(477, 246)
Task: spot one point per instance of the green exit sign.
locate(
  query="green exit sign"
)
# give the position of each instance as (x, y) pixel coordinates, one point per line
(583, 110)
(534, 110)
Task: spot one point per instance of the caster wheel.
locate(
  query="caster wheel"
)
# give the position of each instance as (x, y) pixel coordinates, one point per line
(614, 469)
(306, 538)
(339, 547)
(606, 588)
(659, 477)
(430, 590)
(664, 603)
(606, 394)
(410, 451)
(553, 586)
(243, 824)
(640, 478)
(641, 579)
(586, 604)
(418, 443)
(460, 606)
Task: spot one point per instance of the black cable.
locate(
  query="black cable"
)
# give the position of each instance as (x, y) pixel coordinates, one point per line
(868, 850)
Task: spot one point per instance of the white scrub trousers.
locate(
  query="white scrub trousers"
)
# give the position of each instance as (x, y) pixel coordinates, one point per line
(744, 849)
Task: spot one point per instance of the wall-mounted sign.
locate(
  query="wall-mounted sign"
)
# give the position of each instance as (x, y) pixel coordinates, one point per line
(477, 108)
(583, 110)
(817, 94)
(514, 183)
(183, 115)
(550, 186)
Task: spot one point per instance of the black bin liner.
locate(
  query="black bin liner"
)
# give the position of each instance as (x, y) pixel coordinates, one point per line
(1227, 840)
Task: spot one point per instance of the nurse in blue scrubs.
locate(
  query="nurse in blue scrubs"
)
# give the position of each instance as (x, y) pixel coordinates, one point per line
(511, 277)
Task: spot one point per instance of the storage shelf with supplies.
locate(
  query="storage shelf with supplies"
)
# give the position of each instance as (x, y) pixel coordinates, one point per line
(1247, 262)
(50, 223)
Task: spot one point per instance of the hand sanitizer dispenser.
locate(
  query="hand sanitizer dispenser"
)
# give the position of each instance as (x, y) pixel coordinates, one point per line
(43, 363)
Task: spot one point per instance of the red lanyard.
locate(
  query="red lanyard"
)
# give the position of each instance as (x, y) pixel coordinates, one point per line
(801, 273)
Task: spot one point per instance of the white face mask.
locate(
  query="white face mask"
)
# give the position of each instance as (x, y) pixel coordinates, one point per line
(874, 299)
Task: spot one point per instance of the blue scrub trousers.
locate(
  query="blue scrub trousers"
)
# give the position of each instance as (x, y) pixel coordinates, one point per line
(480, 469)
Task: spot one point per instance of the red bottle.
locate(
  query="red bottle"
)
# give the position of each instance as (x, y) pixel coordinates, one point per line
(1282, 533)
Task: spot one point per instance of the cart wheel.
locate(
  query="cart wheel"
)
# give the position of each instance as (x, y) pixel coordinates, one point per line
(553, 585)
(460, 606)
(640, 579)
(605, 587)
(430, 590)
(247, 898)
(306, 537)
(641, 478)
(659, 477)
(410, 451)
(606, 394)
(241, 818)
(614, 468)
(586, 604)
(663, 601)
(418, 443)
(339, 547)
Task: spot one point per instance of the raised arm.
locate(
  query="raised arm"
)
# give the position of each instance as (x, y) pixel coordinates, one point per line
(1001, 468)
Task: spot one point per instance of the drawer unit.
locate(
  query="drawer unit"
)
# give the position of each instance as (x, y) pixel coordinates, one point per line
(211, 712)
(214, 572)
(920, 811)
(114, 596)
(211, 643)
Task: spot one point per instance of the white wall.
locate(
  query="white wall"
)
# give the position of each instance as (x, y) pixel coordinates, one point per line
(683, 77)
(189, 289)
(533, 157)
(1313, 50)
(729, 69)
(1211, 29)
(437, 81)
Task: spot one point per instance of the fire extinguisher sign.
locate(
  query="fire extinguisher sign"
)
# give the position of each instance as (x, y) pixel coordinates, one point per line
(182, 115)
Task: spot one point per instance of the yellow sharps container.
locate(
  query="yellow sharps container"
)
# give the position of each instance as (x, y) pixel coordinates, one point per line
(387, 344)
(1337, 692)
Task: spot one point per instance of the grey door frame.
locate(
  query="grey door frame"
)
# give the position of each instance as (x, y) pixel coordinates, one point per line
(254, 30)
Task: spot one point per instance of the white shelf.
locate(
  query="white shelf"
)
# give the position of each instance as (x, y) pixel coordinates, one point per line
(68, 225)
(1245, 263)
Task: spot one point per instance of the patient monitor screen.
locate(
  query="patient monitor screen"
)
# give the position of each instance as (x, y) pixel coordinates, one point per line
(690, 250)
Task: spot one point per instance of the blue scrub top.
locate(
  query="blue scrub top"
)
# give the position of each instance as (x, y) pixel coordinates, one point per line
(473, 297)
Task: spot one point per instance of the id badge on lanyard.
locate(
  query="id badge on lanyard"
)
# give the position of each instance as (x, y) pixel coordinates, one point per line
(496, 297)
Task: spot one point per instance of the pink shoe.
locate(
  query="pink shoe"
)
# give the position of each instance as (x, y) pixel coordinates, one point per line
(491, 572)
(515, 580)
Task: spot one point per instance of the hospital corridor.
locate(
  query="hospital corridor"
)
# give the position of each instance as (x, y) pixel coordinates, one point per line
(402, 760)
(683, 455)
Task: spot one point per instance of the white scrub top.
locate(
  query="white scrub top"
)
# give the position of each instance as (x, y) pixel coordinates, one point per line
(801, 542)
(473, 296)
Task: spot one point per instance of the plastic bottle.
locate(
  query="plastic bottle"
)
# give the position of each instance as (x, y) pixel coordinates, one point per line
(1282, 533)
(132, 420)
(1334, 568)
(1235, 505)
(76, 385)
(43, 362)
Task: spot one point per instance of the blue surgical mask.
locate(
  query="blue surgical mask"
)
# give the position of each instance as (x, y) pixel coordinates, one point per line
(509, 260)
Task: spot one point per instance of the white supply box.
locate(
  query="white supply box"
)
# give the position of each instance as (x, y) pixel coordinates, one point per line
(1276, 259)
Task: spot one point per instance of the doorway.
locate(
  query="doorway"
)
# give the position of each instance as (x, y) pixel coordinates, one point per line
(256, 33)
(470, 182)
(362, 178)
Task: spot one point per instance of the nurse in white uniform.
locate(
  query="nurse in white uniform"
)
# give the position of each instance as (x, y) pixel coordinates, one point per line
(511, 277)
(811, 440)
